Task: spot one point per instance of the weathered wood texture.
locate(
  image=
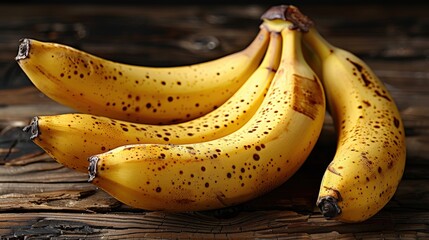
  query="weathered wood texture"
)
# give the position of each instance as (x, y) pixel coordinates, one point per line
(41, 199)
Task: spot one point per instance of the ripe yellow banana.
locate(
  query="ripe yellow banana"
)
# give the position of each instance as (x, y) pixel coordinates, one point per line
(71, 138)
(140, 94)
(370, 156)
(249, 162)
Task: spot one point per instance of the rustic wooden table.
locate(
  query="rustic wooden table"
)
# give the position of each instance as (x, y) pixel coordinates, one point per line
(41, 199)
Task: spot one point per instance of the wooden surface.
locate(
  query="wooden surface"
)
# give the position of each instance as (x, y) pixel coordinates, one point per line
(41, 199)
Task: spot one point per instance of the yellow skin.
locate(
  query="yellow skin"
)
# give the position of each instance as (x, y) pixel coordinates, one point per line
(253, 160)
(370, 156)
(140, 94)
(71, 138)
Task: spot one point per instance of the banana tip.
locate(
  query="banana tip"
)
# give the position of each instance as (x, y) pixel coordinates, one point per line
(329, 207)
(23, 49)
(92, 168)
(33, 128)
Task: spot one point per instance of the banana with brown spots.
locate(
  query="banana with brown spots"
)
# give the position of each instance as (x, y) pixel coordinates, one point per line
(153, 95)
(370, 156)
(71, 138)
(247, 163)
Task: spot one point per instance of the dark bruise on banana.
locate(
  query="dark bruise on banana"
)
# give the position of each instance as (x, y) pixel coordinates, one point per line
(306, 101)
(135, 93)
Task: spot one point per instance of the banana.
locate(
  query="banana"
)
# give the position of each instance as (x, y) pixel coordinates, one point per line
(371, 154)
(71, 138)
(226, 171)
(163, 95)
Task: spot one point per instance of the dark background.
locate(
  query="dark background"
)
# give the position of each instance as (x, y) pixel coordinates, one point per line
(149, 39)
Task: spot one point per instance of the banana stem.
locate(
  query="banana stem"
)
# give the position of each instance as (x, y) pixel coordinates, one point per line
(317, 43)
(293, 38)
(33, 128)
(289, 13)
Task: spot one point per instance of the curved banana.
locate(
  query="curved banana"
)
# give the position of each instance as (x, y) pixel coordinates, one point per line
(71, 138)
(370, 156)
(245, 164)
(141, 94)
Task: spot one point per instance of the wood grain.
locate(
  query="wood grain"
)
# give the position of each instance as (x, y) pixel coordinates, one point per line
(249, 225)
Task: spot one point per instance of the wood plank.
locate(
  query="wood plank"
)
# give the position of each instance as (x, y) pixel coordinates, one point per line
(262, 224)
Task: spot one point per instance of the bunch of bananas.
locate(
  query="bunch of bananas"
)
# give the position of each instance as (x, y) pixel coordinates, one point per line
(222, 132)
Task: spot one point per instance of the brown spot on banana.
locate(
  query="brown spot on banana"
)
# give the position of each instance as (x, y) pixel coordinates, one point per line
(333, 170)
(46, 74)
(305, 101)
(366, 160)
(396, 122)
(334, 193)
(360, 69)
(390, 164)
(382, 95)
(367, 103)
(271, 69)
